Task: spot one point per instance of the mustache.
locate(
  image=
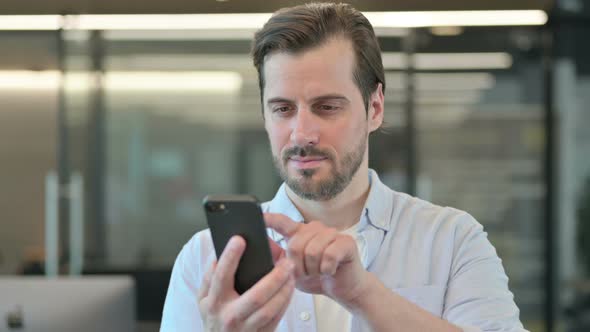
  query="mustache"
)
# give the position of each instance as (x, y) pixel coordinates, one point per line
(305, 151)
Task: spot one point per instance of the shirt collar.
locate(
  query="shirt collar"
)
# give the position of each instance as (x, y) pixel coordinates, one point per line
(378, 206)
(282, 204)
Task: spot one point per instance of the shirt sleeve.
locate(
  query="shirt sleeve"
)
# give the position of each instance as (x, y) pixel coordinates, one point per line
(478, 298)
(181, 310)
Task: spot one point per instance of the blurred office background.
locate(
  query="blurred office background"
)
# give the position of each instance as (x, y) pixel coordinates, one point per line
(112, 135)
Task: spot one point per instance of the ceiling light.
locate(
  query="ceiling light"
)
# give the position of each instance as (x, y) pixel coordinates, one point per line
(379, 20)
(209, 82)
(449, 61)
(457, 18)
(201, 81)
(30, 22)
(28, 80)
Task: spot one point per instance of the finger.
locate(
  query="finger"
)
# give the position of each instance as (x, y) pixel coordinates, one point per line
(282, 224)
(341, 251)
(204, 290)
(223, 277)
(271, 326)
(296, 248)
(272, 309)
(264, 290)
(315, 248)
(276, 250)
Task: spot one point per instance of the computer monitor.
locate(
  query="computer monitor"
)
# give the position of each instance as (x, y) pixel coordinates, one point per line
(67, 304)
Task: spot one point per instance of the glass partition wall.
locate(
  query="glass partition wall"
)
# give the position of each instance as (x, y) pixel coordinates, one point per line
(480, 146)
(28, 145)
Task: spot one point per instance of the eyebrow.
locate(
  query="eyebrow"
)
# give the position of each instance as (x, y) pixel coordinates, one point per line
(331, 96)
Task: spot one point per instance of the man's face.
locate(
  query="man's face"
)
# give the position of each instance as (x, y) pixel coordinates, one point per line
(315, 118)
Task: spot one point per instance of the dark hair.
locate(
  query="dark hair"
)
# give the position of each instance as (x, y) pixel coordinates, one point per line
(297, 29)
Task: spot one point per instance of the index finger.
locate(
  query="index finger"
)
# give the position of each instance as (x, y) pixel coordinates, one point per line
(281, 223)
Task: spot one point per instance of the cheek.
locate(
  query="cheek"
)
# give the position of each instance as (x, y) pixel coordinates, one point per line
(278, 138)
(345, 138)
(342, 135)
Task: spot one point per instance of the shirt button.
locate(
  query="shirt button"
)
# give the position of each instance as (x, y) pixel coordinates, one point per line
(304, 316)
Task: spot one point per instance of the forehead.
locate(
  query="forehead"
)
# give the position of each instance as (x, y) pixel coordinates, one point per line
(326, 67)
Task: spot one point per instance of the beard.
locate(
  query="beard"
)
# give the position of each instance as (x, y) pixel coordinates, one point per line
(303, 184)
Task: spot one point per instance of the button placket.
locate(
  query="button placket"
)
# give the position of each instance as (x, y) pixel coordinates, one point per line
(304, 316)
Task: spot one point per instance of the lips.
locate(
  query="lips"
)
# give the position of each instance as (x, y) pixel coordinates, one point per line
(306, 162)
(306, 159)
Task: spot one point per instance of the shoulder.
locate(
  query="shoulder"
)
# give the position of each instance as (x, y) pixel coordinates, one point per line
(445, 231)
(181, 302)
(198, 242)
(426, 217)
(197, 254)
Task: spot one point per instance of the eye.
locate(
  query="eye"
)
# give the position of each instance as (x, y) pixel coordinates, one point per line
(282, 110)
(327, 108)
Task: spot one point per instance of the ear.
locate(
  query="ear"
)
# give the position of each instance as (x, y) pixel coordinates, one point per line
(375, 112)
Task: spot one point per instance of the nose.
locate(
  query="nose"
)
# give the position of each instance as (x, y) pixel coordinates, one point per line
(305, 130)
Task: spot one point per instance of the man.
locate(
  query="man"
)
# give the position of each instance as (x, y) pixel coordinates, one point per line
(350, 253)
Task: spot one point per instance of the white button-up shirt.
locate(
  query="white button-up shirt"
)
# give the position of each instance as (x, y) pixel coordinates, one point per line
(436, 257)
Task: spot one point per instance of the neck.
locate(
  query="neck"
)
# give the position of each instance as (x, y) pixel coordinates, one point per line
(342, 211)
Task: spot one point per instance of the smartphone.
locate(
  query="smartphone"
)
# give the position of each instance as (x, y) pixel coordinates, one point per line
(229, 215)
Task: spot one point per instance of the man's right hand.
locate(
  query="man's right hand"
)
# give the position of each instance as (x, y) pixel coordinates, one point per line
(258, 309)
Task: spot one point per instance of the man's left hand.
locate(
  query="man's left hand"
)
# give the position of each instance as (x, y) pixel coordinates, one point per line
(326, 261)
